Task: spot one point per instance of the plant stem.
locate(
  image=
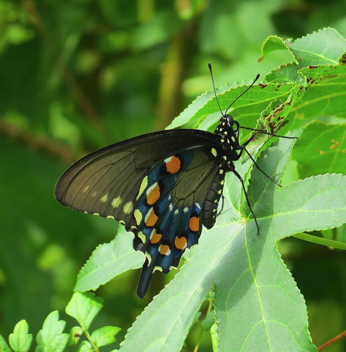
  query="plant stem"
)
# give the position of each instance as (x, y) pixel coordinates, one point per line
(90, 340)
(333, 340)
(320, 240)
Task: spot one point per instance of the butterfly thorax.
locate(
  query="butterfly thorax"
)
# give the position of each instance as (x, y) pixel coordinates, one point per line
(228, 131)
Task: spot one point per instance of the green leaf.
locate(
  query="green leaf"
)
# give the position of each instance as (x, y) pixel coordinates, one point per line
(214, 337)
(84, 307)
(20, 340)
(321, 149)
(278, 114)
(104, 336)
(51, 338)
(109, 260)
(209, 321)
(4, 346)
(324, 47)
(85, 346)
(323, 95)
(287, 73)
(258, 305)
(273, 43)
(75, 334)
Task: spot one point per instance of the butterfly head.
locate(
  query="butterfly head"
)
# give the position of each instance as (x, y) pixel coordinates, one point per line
(227, 125)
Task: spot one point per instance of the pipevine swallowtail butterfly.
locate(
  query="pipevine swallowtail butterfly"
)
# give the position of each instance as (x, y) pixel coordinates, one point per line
(162, 186)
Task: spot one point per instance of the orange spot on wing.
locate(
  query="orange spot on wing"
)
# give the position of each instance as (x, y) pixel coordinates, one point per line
(155, 237)
(194, 224)
(164, 249)
(173, 165)
(153, 195)
(152, 218)
(180, 243)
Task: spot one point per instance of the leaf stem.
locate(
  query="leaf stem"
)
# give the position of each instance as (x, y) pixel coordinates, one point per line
(333, 340)
(95, 348)
(320, 240)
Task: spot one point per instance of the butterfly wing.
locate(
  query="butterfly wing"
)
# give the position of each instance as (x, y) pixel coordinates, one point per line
(168, 211)
(153, 184)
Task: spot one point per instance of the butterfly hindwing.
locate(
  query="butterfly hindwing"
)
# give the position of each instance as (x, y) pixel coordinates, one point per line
(169, 208)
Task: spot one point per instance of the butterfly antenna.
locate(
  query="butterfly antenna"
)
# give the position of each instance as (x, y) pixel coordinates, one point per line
(212, 79)
(243, 93)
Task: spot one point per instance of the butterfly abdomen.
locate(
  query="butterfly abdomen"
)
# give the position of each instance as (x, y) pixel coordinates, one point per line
(211, 202)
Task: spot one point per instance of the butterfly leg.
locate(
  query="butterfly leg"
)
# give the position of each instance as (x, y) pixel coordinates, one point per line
(259, 169)
(222, 205)
(247, 199)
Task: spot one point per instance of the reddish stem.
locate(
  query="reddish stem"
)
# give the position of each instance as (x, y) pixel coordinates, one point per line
(333, 340)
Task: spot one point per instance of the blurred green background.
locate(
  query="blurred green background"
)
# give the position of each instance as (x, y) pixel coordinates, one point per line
(76, 75)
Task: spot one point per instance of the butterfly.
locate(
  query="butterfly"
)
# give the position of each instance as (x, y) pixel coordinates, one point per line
(161, 186)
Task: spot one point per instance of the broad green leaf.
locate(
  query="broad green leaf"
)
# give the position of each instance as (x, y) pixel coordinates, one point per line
(4, 346)
(323, 47)
(109, 260)
(51, 338)
(20, 340)
(84, 307)
(75, 334)
(246, 110)
(287, 73)
(104, 336)
(321, 149)
(85, 346)
(324, 94)
(257, 303)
